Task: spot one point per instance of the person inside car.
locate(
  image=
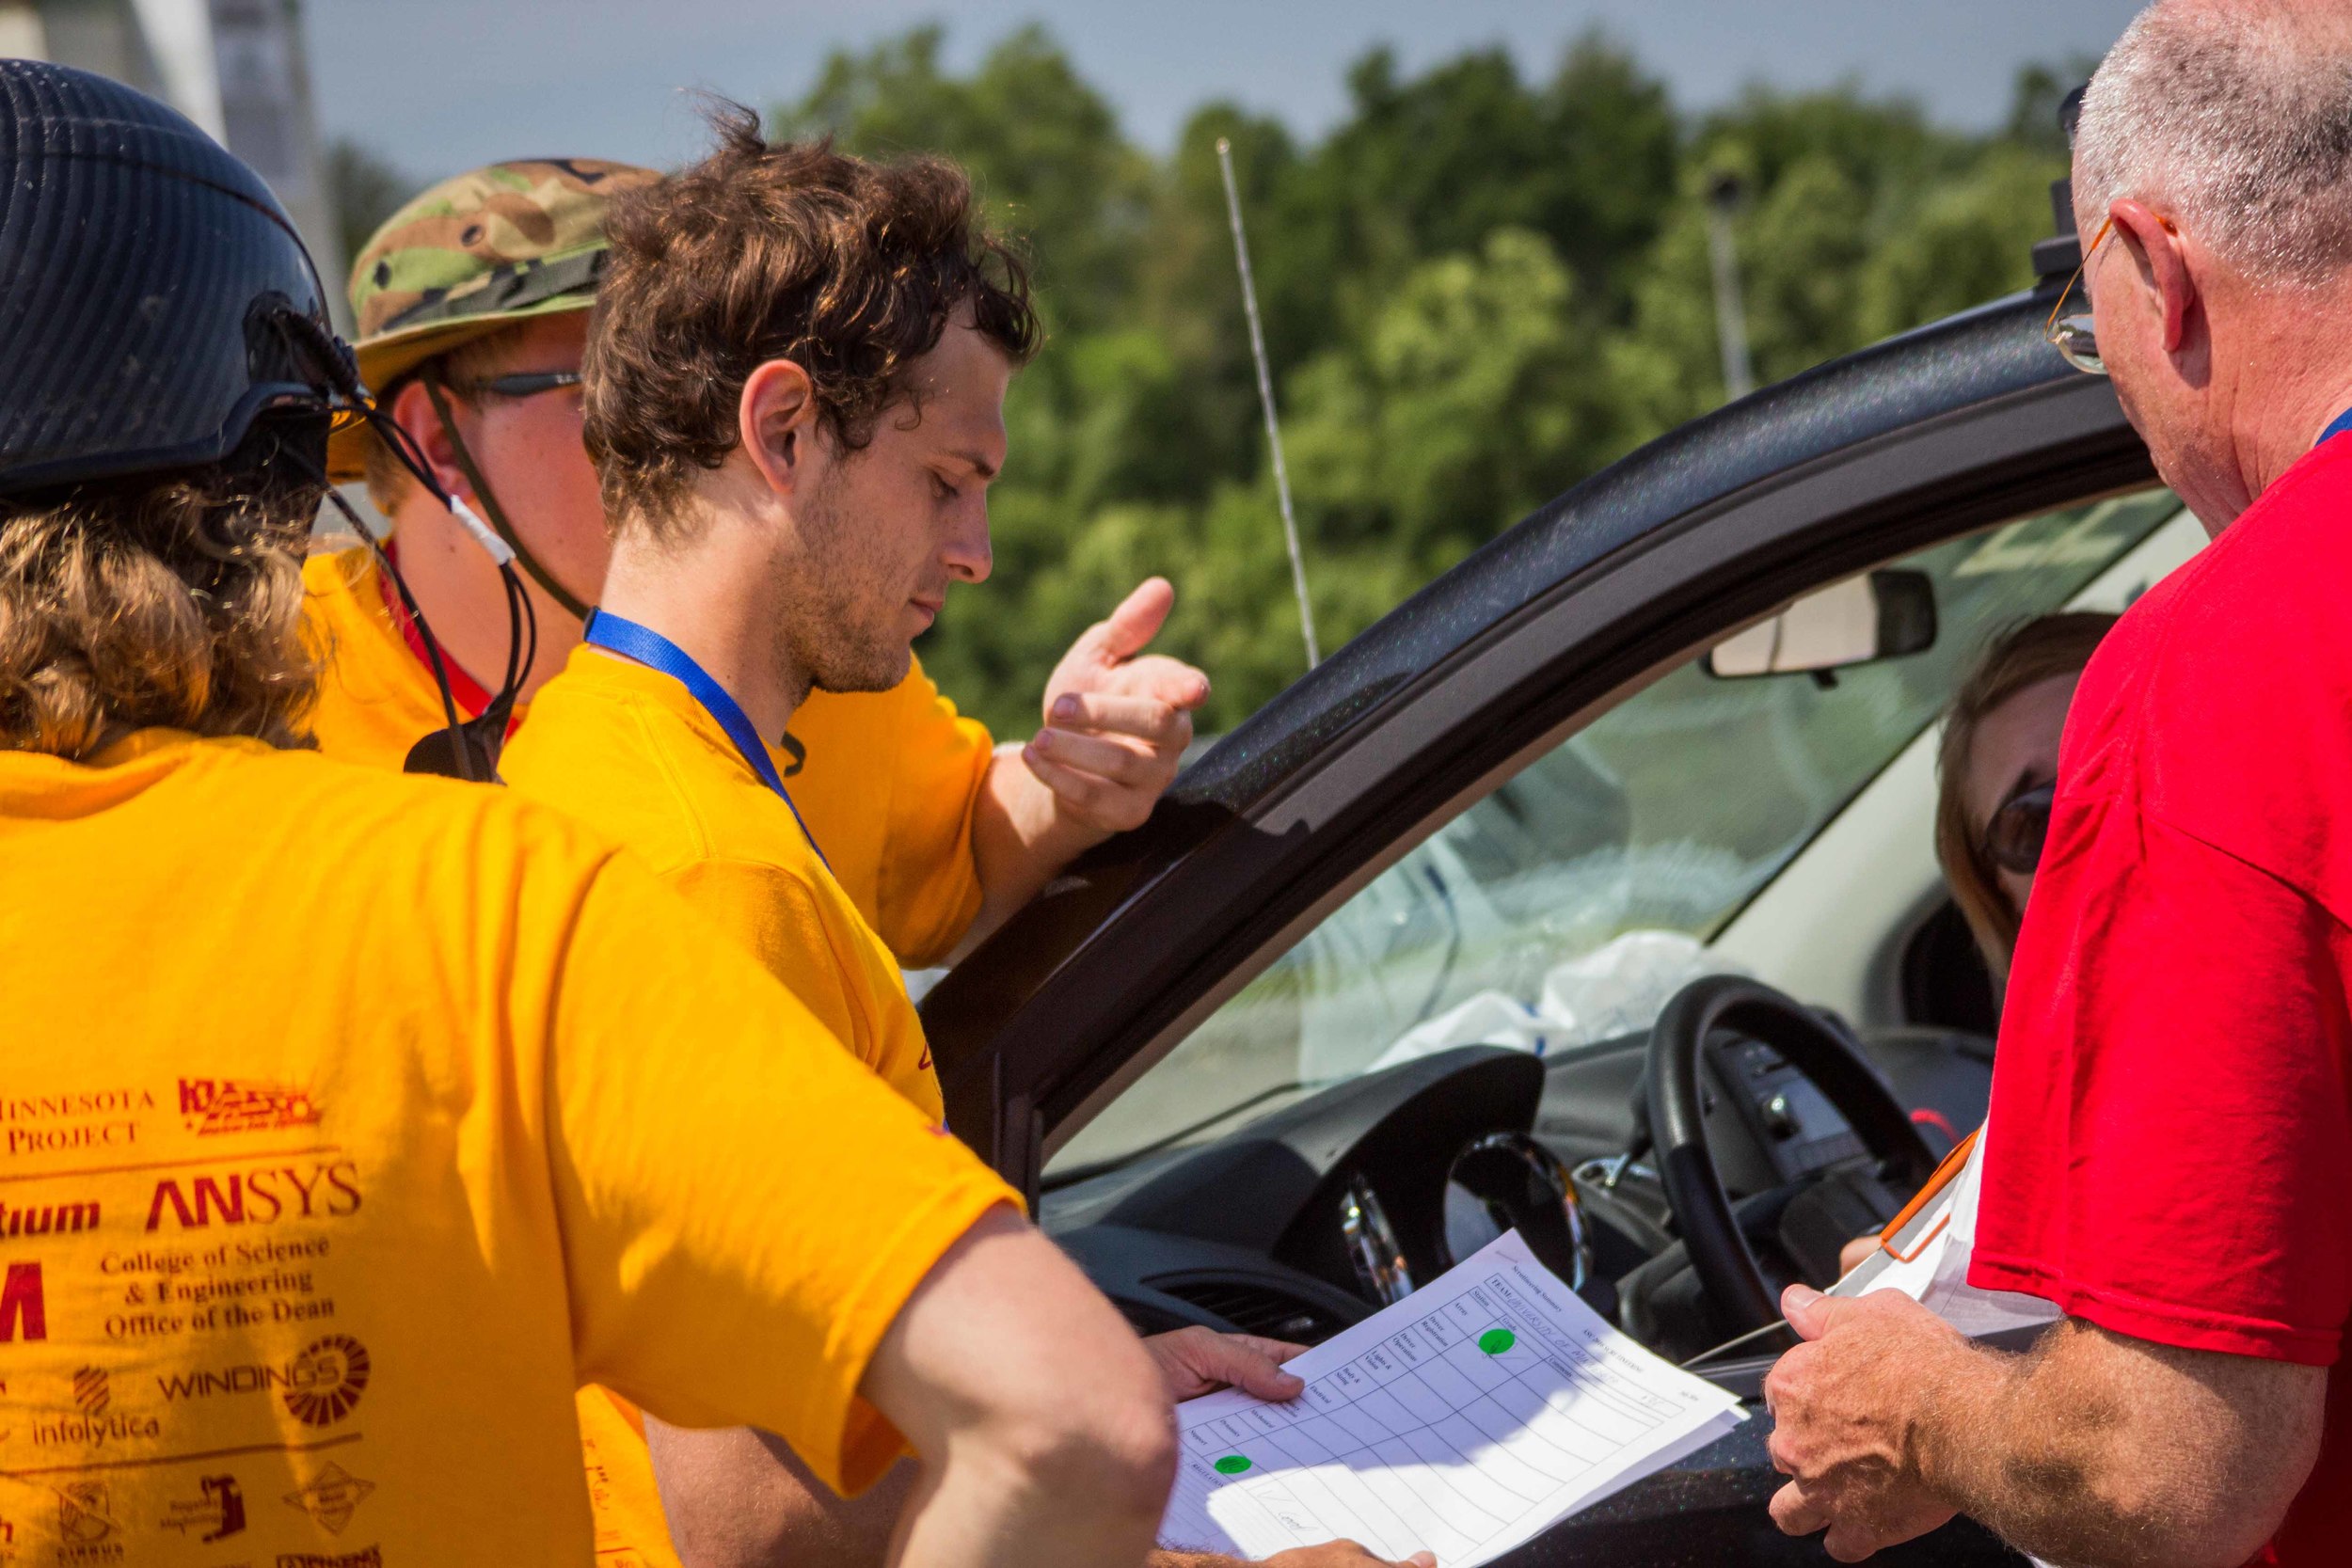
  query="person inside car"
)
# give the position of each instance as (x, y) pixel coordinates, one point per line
(473, 304)
(423, 1092)
(795, 379)
(1996, 769)
(2178, 1002)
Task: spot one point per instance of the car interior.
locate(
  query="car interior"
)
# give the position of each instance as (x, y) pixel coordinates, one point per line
(1684, 999)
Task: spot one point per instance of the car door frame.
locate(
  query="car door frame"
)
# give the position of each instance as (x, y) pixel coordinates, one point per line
(1138, 946)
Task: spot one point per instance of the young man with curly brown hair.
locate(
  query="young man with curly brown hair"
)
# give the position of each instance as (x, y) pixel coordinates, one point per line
(795, 395)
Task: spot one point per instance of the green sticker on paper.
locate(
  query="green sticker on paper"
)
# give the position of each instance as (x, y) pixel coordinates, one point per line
(1495, 1340)
(1231, 1464)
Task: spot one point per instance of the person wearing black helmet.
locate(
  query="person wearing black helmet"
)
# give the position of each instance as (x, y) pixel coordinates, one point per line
(331, 1154)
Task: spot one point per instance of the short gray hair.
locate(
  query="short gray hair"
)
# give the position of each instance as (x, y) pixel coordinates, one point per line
(2236, 120)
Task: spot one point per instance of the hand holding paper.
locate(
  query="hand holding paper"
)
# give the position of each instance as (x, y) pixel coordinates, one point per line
(1841, 1405)
(1464, 1420)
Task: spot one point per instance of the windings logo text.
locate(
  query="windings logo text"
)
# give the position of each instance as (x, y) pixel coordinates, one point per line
(320, 1387)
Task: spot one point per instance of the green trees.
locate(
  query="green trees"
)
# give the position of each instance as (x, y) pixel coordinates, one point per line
(1478, 289)
(366, 189)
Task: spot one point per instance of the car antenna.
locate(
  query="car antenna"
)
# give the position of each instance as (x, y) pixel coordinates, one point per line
(1265, 397)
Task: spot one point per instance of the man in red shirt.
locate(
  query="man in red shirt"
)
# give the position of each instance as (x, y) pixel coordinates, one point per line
(2169, 1158)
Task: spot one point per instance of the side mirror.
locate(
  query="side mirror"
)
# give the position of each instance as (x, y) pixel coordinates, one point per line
(1883, 614)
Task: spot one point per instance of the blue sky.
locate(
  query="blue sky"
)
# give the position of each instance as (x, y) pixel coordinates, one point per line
(438, 85)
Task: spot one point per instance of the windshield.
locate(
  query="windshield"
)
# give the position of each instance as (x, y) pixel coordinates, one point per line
(1566, 906)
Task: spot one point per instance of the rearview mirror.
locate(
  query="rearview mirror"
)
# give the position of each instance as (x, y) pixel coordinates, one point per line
(1880, 614)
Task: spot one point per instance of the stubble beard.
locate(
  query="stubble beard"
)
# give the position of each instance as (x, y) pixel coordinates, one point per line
(836, 629)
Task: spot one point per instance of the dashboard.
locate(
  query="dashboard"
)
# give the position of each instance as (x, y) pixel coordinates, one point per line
(1311, 1218)
(1255, 1229)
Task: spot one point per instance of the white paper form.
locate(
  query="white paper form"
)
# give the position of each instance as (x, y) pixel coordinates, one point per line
(1464, 1420)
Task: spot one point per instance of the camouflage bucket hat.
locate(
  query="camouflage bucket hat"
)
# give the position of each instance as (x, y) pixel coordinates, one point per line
(475, 253)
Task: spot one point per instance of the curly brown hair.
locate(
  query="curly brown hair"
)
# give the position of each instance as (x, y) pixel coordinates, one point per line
(847, 267)
(2018, 657)
(175, 603)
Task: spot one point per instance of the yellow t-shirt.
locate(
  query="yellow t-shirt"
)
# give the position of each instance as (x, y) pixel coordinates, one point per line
(633, 753)
(349, 1123)
(889, 785)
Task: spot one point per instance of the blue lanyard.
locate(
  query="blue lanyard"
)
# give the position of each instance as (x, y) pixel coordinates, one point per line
(2336, 427)
(654, 651)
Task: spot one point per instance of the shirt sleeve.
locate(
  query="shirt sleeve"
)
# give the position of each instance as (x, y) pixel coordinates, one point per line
(851, 987)
(772, 916)
(743, 1209)
(2169, 1154)
(929, 892)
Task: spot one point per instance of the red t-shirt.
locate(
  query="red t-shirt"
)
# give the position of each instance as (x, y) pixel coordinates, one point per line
(2169, 1152)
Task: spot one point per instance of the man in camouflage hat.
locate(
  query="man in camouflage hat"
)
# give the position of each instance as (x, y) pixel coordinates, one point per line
(472, 307)
(489, 271)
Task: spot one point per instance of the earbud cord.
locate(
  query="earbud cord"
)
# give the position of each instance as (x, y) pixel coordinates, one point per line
(522, 619)
(408, 601)
(496, 515)
(522, 646)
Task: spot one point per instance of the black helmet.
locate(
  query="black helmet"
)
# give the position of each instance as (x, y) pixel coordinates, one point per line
(155, 298)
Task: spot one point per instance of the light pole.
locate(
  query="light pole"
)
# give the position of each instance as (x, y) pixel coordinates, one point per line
(1725, 192)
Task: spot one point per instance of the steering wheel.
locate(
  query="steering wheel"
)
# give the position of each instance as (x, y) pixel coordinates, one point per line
(1720, 1254)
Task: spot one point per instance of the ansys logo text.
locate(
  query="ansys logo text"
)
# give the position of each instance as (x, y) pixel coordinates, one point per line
(319, 1386)
(262, 1195)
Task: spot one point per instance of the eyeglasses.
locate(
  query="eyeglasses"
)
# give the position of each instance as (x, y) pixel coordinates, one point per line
(522, 384)
(2071, 335)
(2014, 837)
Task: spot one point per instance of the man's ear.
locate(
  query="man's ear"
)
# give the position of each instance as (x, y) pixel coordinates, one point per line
(777, 416)
(2161, 260)
(412, 410)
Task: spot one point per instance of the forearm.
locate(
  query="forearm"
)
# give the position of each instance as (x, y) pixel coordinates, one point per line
(992, 1507)
(1020, 840)
(1990, 1447)
(1042, 1424)
(2096, 1448)
(742, 1498)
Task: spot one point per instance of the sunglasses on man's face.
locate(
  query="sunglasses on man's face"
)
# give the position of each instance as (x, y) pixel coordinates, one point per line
(2014, 837)
(524, 384)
